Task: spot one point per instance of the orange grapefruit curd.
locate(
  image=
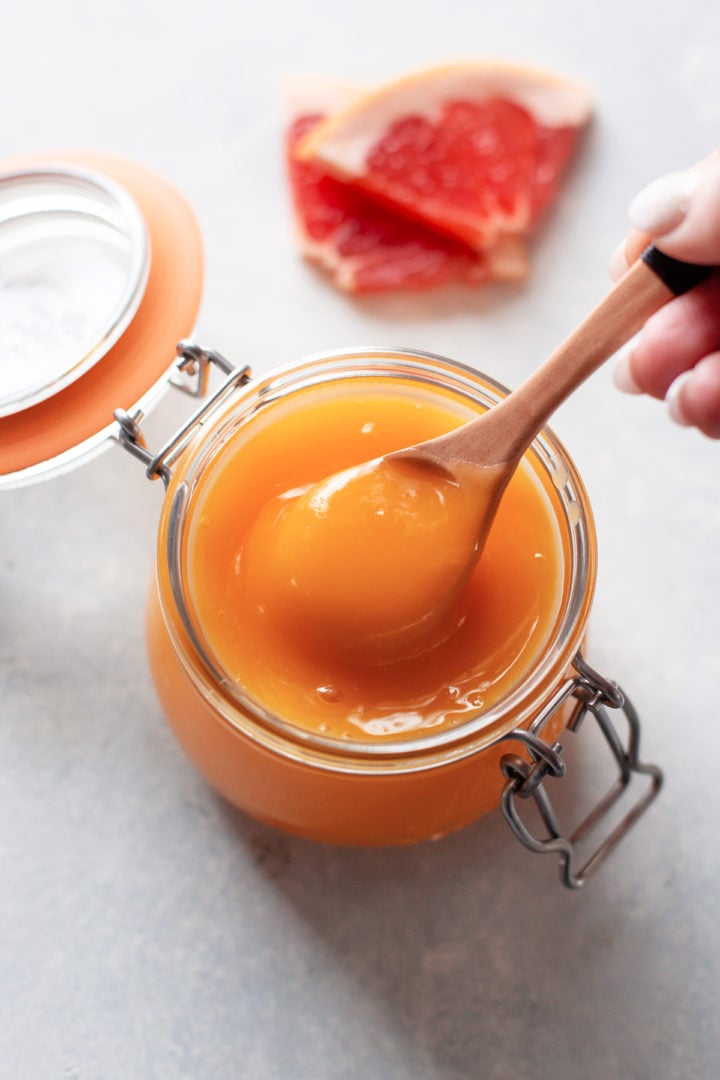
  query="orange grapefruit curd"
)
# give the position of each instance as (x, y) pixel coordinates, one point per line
(321, 726)
(409, 530)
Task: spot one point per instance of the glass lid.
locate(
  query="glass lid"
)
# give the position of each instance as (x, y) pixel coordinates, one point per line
(74, 263)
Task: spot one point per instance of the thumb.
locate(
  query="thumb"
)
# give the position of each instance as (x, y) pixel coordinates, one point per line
(681, 212)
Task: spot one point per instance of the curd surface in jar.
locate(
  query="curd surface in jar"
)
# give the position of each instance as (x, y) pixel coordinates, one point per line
(295, 668)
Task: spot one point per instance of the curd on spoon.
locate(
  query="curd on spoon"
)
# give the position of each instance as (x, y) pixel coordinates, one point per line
(371, 561)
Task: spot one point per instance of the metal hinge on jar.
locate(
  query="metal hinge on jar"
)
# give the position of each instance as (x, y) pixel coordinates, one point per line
(192, 372)
(595, 696)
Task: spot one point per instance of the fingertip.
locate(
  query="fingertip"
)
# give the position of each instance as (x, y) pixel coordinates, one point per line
(674, 400)
(697, 399)
(623, 377)
(627, 252)
(635, 244)
(661, 206)
(696, 236)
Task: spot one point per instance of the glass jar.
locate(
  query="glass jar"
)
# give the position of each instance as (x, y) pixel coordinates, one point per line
(131, 243)
(356, 792)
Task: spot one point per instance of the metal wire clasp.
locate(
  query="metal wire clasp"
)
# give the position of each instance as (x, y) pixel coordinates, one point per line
(192, 372)
(593, 695)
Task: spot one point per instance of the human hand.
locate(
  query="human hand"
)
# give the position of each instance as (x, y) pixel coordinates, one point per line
(676, 356)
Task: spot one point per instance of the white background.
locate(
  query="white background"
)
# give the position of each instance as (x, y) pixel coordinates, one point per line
(148, 930)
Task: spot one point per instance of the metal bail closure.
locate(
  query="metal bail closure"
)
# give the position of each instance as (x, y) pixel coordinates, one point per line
(191, 375)
(525, 778)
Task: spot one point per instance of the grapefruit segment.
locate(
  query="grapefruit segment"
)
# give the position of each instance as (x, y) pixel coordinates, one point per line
(474, 150)
(362, 244)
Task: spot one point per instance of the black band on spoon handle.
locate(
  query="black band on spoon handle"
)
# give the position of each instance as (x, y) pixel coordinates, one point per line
(679, 277)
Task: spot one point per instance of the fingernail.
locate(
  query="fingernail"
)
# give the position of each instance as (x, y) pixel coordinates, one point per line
(662, 205)
(618, 262)
(674, 402)
(622, 376)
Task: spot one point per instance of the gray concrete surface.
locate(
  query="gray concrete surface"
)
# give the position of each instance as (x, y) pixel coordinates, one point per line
(146, 929)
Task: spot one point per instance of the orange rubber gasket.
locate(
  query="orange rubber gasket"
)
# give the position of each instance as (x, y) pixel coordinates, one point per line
(146, 350)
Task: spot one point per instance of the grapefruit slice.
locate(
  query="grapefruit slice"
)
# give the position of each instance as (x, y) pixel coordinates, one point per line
(363, 245)
(473, 150)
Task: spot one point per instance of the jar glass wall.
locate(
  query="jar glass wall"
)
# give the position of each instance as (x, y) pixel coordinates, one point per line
(352, 791)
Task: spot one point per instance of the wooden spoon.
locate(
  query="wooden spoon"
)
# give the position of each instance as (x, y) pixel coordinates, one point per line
(483, 454)
(372, 561)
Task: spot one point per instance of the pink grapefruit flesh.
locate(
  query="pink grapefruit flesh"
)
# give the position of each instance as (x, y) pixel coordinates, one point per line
(364, 245)
(475, 151)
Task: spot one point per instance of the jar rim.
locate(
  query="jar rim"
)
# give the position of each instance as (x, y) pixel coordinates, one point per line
(571, 510)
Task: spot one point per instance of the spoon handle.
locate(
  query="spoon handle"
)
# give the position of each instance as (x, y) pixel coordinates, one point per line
(510, 427)
(679, 277)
